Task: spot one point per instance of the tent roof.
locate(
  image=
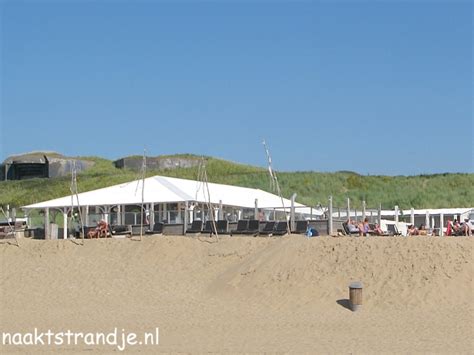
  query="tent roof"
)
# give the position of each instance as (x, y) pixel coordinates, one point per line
(407, 212)
(161, 189)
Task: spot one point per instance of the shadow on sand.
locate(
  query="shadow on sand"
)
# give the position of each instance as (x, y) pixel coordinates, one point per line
(344, 303)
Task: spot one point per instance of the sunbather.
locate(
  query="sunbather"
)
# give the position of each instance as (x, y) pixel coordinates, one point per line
(378, 230)
(412, 230)
(466, 228)
(422, 230)
(352, 227)
(365, 227)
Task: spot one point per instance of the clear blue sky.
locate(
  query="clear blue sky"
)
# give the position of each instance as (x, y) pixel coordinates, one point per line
(377, 87)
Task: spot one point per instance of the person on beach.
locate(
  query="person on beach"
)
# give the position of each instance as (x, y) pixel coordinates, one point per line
(456, 227)
(378, 230)
(366, 227)
(352, 227)
(422, 230)
(465, 228)
(412, 230)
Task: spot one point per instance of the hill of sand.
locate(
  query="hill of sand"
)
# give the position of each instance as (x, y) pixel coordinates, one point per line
(245, 294)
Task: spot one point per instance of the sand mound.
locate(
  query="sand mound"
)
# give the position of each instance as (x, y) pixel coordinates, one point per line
(395, 272)
(247, 294)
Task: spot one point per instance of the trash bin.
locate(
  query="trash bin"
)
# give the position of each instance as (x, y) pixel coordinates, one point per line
(355, 295)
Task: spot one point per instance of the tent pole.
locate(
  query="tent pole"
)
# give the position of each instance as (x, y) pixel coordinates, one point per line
(186, 216)
(65, 222)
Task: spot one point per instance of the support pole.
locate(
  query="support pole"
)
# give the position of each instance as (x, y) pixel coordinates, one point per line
(441, 225)
(186, 216)
(255, 212)
(292, 213)
(363, 210)
(379, 215)
(396, 215)
(179, 218)
(412, 217)
(348, 208)
(119, 215)
(152, 214)
(427, 220)
(65, 222)
(46, 224)
(330, 225)
(86, 216)
(221, 211)
(106, 214)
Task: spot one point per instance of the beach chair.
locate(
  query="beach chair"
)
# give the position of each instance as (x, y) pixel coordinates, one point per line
(253, 228)
(210, 227)
(281, 228)
(101, 231)
(7, 232)
(242, 226)
(346, 229)
(268, 229)
(119, 230)
(301, 227)
(196, 227)
(157, 229)
(372, 231)
(393, 230)
(222, 226)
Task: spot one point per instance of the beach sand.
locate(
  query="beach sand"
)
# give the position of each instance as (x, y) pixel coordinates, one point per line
(244, 294)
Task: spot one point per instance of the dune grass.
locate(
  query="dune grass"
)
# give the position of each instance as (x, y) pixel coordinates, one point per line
(312, 188)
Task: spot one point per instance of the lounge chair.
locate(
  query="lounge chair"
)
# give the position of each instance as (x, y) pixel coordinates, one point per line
(121, 230)
(7, 232)
(348, 232)
(393, 230)
(253, 228)
(281, 228)
(268, 229)
(222, 226)
(210, 227)
(242, 226)
(372, 231)
(157, 229)
(301, 227)
(101, 231)
(196, 227)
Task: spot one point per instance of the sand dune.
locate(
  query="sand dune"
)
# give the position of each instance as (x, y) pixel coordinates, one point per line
(246, 294)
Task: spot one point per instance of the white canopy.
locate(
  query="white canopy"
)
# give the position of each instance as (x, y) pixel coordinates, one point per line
(407, 212)
(161, 189)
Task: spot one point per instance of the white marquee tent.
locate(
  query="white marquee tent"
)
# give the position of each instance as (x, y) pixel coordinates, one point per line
(161, 190)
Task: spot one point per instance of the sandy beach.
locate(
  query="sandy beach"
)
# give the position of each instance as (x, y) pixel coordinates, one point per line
(244, 294)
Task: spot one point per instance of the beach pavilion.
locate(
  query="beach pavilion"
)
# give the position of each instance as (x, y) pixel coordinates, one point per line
(171, 201)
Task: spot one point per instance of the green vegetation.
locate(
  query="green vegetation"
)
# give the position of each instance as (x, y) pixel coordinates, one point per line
(423, 191)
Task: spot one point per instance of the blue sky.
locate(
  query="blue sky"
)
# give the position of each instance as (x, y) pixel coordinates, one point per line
(376, 87)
